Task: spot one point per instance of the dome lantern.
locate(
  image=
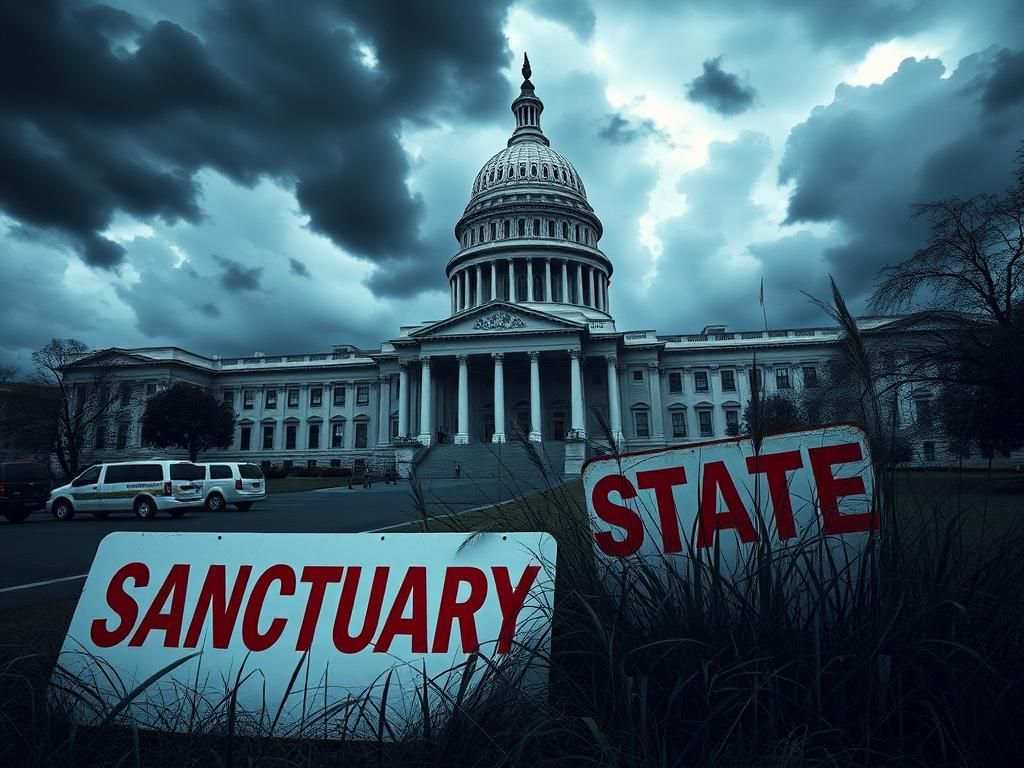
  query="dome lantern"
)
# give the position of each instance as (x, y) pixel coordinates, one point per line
(527, 109)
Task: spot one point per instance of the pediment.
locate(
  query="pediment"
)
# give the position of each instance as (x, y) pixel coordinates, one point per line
(108, 357)
(497, 317)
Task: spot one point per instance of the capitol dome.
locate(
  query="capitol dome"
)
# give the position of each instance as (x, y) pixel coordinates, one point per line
(528, 234)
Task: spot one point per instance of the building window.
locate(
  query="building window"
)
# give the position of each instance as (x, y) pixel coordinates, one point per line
(536, 227)
(314, 436)
(732, 422)
(521, 227)
(678, 423)
(706, 427)
(229, 397)
(810, 376)
(728, 381)
(756, 378)
(929, 450)
(126, 394)
(268, 437)
(506, 229)
(270, 399)
(293, 397)
(565, 230)
(551, 227)
(923, 409)
(494, 231)
(638, 375)
(289, 437)
(101, 435)
(338, 435)
(245, 438)
(597, 377)
(675, 382)
(248, 399)
(363, 394)
(700, 381)
(150, 390)
(316, 397)
(782, 378)
(361, 429)
(122, 436)
(642, 423)
(394, 427)
(577, 233)
(339, 394)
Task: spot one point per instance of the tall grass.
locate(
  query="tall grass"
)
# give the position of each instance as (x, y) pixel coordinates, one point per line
(913, 658)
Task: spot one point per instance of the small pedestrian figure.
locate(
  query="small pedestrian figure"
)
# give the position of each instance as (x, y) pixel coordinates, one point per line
(458, 470)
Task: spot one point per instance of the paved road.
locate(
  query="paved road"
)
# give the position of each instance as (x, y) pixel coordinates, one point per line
(43, 549)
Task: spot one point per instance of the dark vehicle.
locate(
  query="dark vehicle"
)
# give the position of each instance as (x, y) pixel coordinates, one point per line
(24, 486)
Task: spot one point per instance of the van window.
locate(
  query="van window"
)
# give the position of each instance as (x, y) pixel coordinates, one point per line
(90, 476)
(24, 472)
(250, 472)
(147, 473)
(121, 473)
(184, 471)
(220, 472)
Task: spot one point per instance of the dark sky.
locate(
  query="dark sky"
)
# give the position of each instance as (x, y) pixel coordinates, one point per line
(262, 176)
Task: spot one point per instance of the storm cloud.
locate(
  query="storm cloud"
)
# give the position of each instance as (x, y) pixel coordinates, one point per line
(720, 90)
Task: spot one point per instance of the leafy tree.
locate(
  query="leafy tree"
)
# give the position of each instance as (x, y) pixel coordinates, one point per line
(185, 416)
(78, 404)
(772, 413)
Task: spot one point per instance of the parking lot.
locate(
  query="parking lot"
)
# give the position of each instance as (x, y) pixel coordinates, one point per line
(45, 559)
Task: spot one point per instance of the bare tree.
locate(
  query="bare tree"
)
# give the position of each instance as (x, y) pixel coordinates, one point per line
(81, 404)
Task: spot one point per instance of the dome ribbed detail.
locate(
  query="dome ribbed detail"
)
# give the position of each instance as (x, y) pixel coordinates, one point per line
(528, 164)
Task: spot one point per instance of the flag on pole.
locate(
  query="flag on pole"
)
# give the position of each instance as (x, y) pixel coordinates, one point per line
(762, 292)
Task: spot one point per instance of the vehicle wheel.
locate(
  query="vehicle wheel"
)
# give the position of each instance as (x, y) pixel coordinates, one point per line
(176, 512)
(145, 508)
(214, 502)
(101, 515)
(62, 509)
(17, 515)
(243, 506)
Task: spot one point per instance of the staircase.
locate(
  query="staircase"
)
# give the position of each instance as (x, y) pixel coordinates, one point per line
(510, 462)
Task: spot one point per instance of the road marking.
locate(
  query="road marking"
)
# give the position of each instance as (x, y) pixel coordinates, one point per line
(42, 583)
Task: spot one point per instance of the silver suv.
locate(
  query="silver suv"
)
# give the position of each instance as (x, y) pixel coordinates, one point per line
(142, 487)
(231, 482)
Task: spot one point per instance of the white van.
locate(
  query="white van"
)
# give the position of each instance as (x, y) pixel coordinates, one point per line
(142, 487)
(232, 482)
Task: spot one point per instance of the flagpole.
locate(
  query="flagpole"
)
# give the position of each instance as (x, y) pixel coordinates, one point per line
(764, 313)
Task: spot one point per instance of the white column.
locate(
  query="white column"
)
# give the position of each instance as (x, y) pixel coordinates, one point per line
(529, 280)
(383, 410)
(576, 393)
(499, 397)
(479, 285)
(535, 434)
(426, 428)
(451, 296)
(464, 275)
(658, 426)
(494, 280)
(614, 404)
(511, 281)
(403, 399)
(607, 296)
(565, 283)
(579, 284)
(590, 283)
(462, 428)
(547, 281)
(598, 297)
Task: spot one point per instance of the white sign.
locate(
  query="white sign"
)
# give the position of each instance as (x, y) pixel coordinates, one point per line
(311, 629)
(677, 504)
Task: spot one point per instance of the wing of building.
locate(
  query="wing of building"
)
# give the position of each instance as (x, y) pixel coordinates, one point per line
(530, 347)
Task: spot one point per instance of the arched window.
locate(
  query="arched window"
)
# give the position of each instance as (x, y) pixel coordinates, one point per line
(500, 171)
(586, 235)
(551, 227)
(565, 231)
(545, 171)
(494, 231)
(533, 169)
(536, 227)
(522, 170)
(507, 235)
(511, 171)
(481, 233)
(521, 227)
(577, 233)
(555, 170)
(491, 176)
(472, 237)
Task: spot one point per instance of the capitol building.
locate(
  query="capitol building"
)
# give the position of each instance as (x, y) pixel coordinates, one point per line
(530, 348)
